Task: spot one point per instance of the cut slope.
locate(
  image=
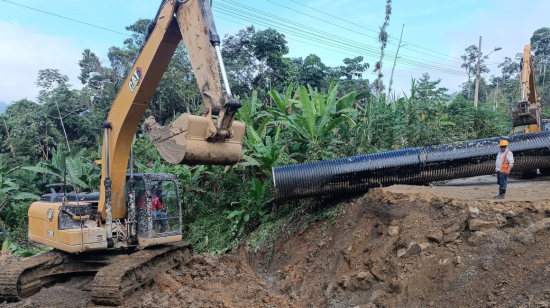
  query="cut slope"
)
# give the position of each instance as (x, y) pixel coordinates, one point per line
(410, 246)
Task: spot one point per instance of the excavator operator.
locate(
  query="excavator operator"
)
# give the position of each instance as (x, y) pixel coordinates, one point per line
(504, 164)
(156, 207)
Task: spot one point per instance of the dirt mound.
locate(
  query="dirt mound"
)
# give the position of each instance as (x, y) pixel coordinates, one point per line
(407, 246)
(209, 282)
(206, 281)
(6, 257)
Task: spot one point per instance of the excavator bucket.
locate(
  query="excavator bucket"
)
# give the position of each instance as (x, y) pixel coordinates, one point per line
(525, 114)
(185, 141)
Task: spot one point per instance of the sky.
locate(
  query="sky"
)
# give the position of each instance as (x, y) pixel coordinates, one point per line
(435, 34)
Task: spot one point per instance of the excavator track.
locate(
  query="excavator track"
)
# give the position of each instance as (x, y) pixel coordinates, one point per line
(24, 277)
(117, 281)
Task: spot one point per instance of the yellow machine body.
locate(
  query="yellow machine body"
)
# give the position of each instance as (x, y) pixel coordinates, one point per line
(43, 228)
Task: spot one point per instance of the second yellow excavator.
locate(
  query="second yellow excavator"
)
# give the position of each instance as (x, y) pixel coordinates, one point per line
(132, 229)
(527, 111)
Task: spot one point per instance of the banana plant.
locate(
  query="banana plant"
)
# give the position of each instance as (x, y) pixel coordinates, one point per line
(284, 105)
(85, 176)
(319, 115)
(251, 115)
(265, 154)
(9, 189)
(156, 167)
(253, 209)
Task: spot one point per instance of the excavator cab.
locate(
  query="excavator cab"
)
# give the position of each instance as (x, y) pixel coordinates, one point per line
(158, 206)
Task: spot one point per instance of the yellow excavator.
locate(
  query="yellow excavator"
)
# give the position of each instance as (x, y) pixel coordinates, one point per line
(132, 229)
(527, 111)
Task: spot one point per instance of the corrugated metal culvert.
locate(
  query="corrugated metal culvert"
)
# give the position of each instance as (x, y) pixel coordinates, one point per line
(408, 166)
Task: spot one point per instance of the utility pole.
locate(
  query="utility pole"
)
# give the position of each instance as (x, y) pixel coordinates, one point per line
(394, 61)
(496, 99)
(478, 70)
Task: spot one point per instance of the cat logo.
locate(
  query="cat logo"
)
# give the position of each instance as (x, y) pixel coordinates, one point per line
(136, 79)
(49, 215)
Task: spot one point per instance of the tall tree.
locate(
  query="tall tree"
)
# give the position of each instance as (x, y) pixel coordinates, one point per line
(540, 44)
(352, 68)
(429, 89)
(313, 71)
(470, 62)
(509, 68)
(383, 39)
(48, 79)
(269, 46)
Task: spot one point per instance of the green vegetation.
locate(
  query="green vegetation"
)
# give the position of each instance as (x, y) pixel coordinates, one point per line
(296, 110)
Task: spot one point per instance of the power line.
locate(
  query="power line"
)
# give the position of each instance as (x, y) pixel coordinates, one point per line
(286, 22)
(333, 43)
(232, 10)
(363, 28)
(374, 52)
(81, 22)
(354, 49)
(405, 62)
(310, 44)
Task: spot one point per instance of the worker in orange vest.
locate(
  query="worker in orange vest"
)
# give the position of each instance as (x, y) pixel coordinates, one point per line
(504, 163)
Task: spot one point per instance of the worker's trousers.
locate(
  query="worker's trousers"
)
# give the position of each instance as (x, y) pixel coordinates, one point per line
(502, 180)
(158, 215)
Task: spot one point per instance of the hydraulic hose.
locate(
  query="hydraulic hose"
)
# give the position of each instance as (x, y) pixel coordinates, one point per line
(408, 166)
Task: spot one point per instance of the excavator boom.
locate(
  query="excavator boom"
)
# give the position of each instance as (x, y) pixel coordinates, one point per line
(190, 139)
(527, 112)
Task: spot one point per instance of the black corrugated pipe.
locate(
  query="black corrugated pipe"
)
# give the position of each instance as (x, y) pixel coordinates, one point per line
(408, 166)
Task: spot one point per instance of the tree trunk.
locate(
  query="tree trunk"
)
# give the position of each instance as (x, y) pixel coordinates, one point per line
(8, 134)
(469, 86)
(380, 73)
(544, 76)
(394, 61)
(61, 119)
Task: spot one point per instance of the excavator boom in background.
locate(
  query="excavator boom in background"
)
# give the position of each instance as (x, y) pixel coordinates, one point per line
(101, 232)
(527, 111)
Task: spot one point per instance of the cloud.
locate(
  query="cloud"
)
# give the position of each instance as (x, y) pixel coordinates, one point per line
(24, 51)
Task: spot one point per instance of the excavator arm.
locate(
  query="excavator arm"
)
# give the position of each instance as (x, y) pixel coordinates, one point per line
(527, 112)
(190, 139)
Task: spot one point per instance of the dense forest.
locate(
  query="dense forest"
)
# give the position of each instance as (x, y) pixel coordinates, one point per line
(295, 109)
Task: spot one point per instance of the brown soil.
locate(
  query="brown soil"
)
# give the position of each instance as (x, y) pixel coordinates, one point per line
(410, 246)
(402, 246)
(206, 281)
